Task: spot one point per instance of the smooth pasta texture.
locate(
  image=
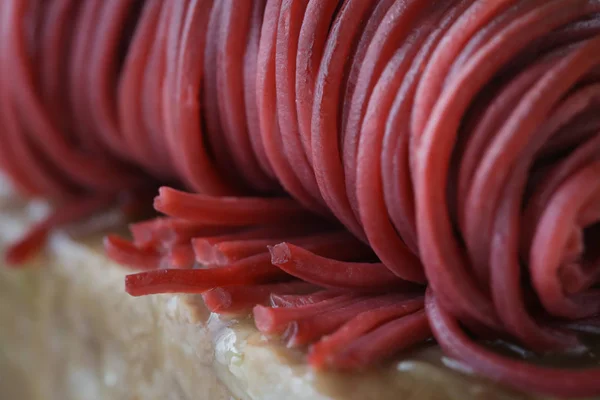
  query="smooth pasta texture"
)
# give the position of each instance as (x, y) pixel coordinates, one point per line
(339, 157)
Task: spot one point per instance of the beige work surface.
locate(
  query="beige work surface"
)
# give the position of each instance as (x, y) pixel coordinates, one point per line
(68, 331)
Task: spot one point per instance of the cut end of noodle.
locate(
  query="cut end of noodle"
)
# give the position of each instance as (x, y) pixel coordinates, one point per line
(126, 253)
(280, 254)
(265, 319)
(26, 248)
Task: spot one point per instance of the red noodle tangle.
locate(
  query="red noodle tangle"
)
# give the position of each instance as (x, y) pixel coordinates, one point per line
(456, 141)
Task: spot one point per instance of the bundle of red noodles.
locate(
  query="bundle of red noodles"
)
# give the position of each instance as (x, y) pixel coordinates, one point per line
(458, 141)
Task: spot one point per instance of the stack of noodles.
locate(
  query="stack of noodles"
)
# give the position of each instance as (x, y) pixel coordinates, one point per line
(360, 175)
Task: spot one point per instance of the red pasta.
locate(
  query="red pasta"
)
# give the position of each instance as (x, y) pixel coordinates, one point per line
(361, 175)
